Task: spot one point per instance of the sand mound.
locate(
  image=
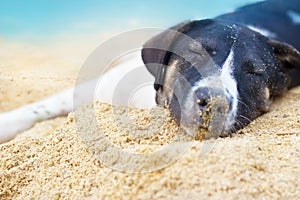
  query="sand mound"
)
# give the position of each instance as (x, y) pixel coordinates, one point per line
(142, 154)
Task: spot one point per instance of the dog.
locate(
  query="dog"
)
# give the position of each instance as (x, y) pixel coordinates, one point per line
(245, 58)
(254, 59)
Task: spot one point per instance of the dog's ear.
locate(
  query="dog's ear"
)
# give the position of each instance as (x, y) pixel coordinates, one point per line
(157, 50)
(287, 55)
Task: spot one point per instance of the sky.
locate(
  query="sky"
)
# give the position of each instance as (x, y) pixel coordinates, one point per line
(41, 19)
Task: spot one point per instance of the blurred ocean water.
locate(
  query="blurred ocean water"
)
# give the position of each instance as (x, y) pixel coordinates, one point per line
(35, 20)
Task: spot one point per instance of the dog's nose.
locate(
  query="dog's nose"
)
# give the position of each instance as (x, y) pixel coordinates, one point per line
(203, 97)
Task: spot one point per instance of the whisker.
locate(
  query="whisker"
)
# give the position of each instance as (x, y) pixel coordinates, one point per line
(233, 129)
(242, 116)
(243, 103)
(239, 124)
(194, 64)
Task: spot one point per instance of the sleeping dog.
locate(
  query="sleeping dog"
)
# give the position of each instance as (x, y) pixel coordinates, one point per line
(247, 58)
(254, 59)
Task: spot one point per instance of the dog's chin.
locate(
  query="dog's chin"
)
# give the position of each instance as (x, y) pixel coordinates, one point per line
(213, 126)
(228, 127)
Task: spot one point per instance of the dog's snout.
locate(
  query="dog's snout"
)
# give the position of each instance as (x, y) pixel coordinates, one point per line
(203, 97)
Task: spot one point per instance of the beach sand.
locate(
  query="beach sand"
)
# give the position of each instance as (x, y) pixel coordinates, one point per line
(66, 158)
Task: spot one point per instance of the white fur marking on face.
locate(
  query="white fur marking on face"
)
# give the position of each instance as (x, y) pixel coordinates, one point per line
(230, 87)
(226, 74)
(262, 31)
(226, 81)
(294, 16)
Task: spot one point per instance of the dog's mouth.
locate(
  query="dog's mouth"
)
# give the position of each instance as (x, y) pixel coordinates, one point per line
(212, 121)
(207, 113)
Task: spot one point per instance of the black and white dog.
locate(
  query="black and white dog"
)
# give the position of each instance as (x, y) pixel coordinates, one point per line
(255, 58)
(253, 53)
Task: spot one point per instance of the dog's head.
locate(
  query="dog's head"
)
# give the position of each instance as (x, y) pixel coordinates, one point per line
(198, 62)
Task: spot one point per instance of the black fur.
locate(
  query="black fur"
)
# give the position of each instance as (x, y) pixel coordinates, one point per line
(259, 62)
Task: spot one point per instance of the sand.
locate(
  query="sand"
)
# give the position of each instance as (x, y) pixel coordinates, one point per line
(70, 158)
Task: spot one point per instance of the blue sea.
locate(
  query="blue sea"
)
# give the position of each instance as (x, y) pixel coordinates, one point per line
(36, 20)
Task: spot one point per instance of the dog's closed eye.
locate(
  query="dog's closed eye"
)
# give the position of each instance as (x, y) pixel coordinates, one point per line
(252, 68)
